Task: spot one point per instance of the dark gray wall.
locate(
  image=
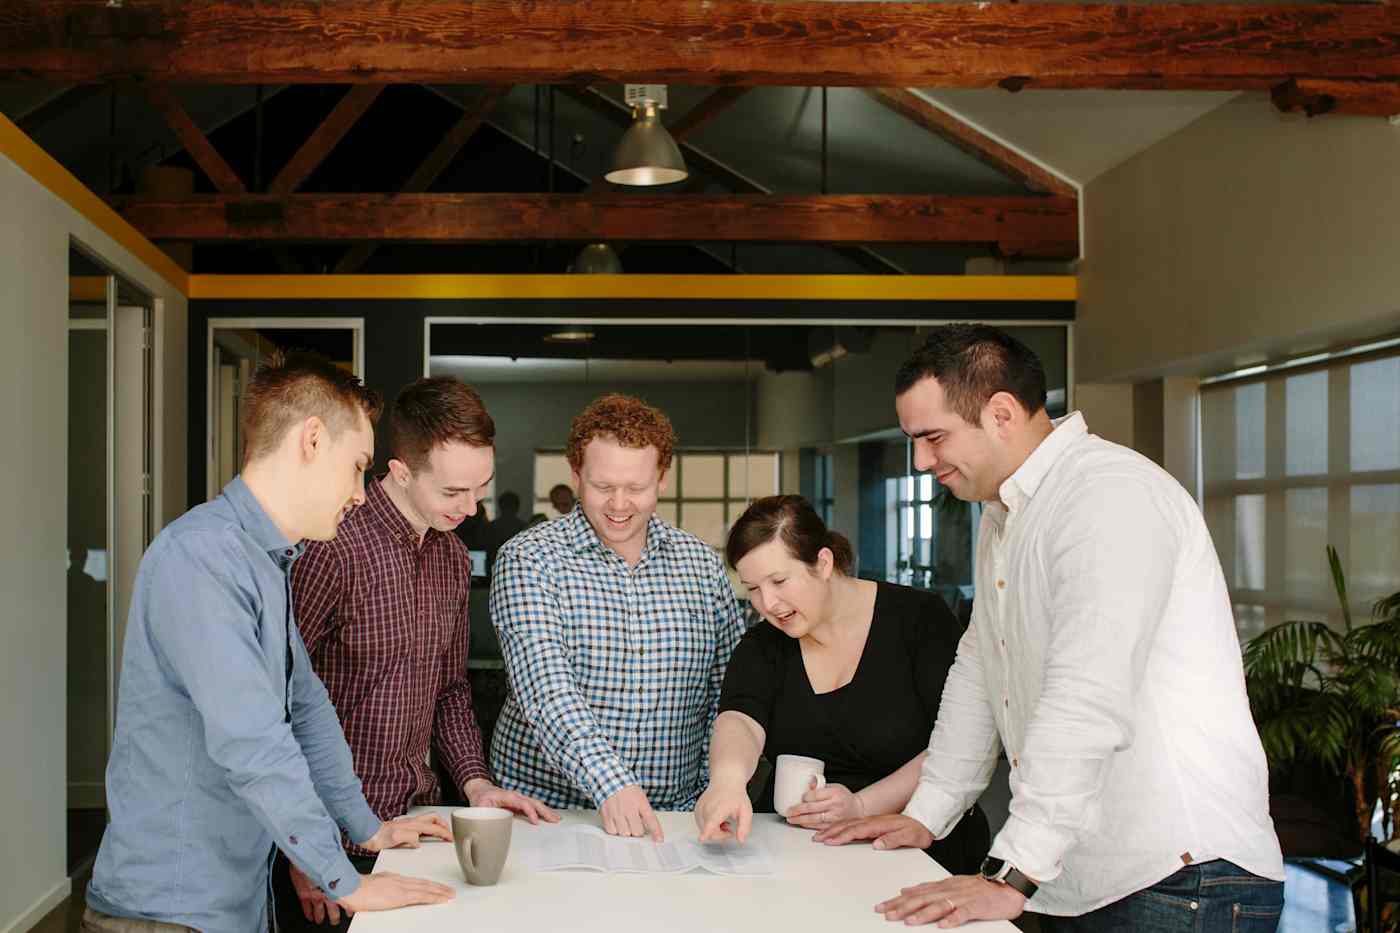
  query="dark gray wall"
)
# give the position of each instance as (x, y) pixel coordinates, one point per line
(394, 331)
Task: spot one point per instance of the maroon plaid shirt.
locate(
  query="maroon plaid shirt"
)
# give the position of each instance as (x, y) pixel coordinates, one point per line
(385, 623)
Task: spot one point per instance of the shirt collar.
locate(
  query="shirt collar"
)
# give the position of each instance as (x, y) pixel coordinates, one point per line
(254, 520)
(382, 509)
(581, 535)
(1021, 486)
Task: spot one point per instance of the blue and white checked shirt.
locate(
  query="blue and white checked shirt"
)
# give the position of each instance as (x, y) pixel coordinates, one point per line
(614, 671)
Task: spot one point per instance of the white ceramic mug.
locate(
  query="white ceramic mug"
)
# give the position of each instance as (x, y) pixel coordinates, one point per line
(793, 778)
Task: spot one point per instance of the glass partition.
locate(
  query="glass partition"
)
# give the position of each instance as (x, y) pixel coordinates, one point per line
(110, 514)
(759, 409)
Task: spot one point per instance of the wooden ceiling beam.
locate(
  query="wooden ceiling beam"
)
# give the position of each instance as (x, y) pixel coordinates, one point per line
(344, 115)
(225, 179)
(971, 140)
(905, 43)
(432, 167)
(1008, 224)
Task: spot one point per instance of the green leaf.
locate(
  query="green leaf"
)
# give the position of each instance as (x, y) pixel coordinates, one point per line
(1339, 581)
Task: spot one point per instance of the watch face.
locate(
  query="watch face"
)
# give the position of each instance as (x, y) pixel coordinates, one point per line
(991, 867)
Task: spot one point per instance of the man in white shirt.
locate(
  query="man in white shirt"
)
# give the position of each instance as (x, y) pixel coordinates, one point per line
(1102, 656)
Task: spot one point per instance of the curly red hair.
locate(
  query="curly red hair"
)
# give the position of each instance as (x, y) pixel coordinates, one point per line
(629, 421)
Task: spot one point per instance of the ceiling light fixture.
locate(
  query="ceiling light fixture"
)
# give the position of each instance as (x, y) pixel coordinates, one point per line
(647, 155)
(597, 259)
(569, 336)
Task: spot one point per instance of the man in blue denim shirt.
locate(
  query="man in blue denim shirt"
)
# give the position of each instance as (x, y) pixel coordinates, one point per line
(226, 743)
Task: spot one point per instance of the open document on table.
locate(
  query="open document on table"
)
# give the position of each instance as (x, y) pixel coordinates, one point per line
(589, 847)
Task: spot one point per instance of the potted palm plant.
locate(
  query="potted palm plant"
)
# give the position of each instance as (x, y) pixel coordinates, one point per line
(1332, 698)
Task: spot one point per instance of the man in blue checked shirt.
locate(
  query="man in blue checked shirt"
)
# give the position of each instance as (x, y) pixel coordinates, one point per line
(226, 744)
(616, 628)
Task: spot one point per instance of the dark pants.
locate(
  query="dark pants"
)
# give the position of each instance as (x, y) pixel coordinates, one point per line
(1211, 897)
(961, 851)
(290, 918)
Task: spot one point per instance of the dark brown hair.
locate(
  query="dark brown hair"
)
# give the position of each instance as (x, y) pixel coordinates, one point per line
(973, 362)
(629, 421)
(793, 521)
(293, 386)
(431, 412)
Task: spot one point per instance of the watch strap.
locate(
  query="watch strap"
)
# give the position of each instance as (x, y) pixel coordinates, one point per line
(1015, 878)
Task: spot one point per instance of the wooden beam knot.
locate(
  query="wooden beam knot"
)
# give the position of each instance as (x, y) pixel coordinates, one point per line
(1289, 97)
(1355, 96)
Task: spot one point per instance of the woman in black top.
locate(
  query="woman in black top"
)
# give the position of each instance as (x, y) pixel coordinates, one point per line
(846, 670)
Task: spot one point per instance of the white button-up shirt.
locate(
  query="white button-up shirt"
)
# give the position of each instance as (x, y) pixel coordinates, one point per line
(1102, 655)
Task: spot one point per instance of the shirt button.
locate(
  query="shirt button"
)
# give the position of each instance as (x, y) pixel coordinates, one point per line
(292, 840)
(1001, 584)
(1006, 701)
(333, 884)
(1015, 762)
(641, 651)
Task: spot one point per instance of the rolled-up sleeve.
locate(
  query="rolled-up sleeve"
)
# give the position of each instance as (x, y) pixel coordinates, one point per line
(525, 611)
(203, 621)
(1110, 569)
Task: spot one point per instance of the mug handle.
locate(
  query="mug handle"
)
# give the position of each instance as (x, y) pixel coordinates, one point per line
(821, 781)
(467, 854)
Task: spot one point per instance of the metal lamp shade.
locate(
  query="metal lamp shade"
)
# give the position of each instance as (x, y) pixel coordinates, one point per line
(597, 258)
(646, 154)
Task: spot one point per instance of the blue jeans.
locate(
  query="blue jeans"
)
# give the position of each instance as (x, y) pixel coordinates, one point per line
(1210, 897)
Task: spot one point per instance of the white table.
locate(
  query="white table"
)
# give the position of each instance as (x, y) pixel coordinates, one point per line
(813, 888)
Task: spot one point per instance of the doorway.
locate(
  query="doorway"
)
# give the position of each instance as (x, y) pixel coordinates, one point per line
(110, 516)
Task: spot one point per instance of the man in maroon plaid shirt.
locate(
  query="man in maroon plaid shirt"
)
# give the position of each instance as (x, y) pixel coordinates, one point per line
(383, 611)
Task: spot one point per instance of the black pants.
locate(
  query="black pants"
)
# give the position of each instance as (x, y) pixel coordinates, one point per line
(962, 850)
(290, 919)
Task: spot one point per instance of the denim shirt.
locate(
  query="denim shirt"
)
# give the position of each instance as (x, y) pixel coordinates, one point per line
(226, 743)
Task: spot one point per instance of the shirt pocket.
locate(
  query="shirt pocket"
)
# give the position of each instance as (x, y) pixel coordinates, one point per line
(682, 643)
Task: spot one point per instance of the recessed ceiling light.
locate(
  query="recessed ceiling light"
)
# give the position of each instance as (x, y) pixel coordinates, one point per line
(570, 336)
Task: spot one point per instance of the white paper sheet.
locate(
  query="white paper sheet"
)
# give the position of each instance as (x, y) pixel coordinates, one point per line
(588, 847)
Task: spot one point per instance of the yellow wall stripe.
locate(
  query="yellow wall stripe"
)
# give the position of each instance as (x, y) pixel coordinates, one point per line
(44, 169)
(716, 287)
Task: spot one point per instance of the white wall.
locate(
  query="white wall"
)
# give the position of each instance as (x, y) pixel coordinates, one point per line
(1245, 235)
(35, 227)
(1108, 410)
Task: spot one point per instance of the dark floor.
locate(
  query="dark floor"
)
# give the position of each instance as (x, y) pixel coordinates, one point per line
(1312, 903)
(67, 916)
